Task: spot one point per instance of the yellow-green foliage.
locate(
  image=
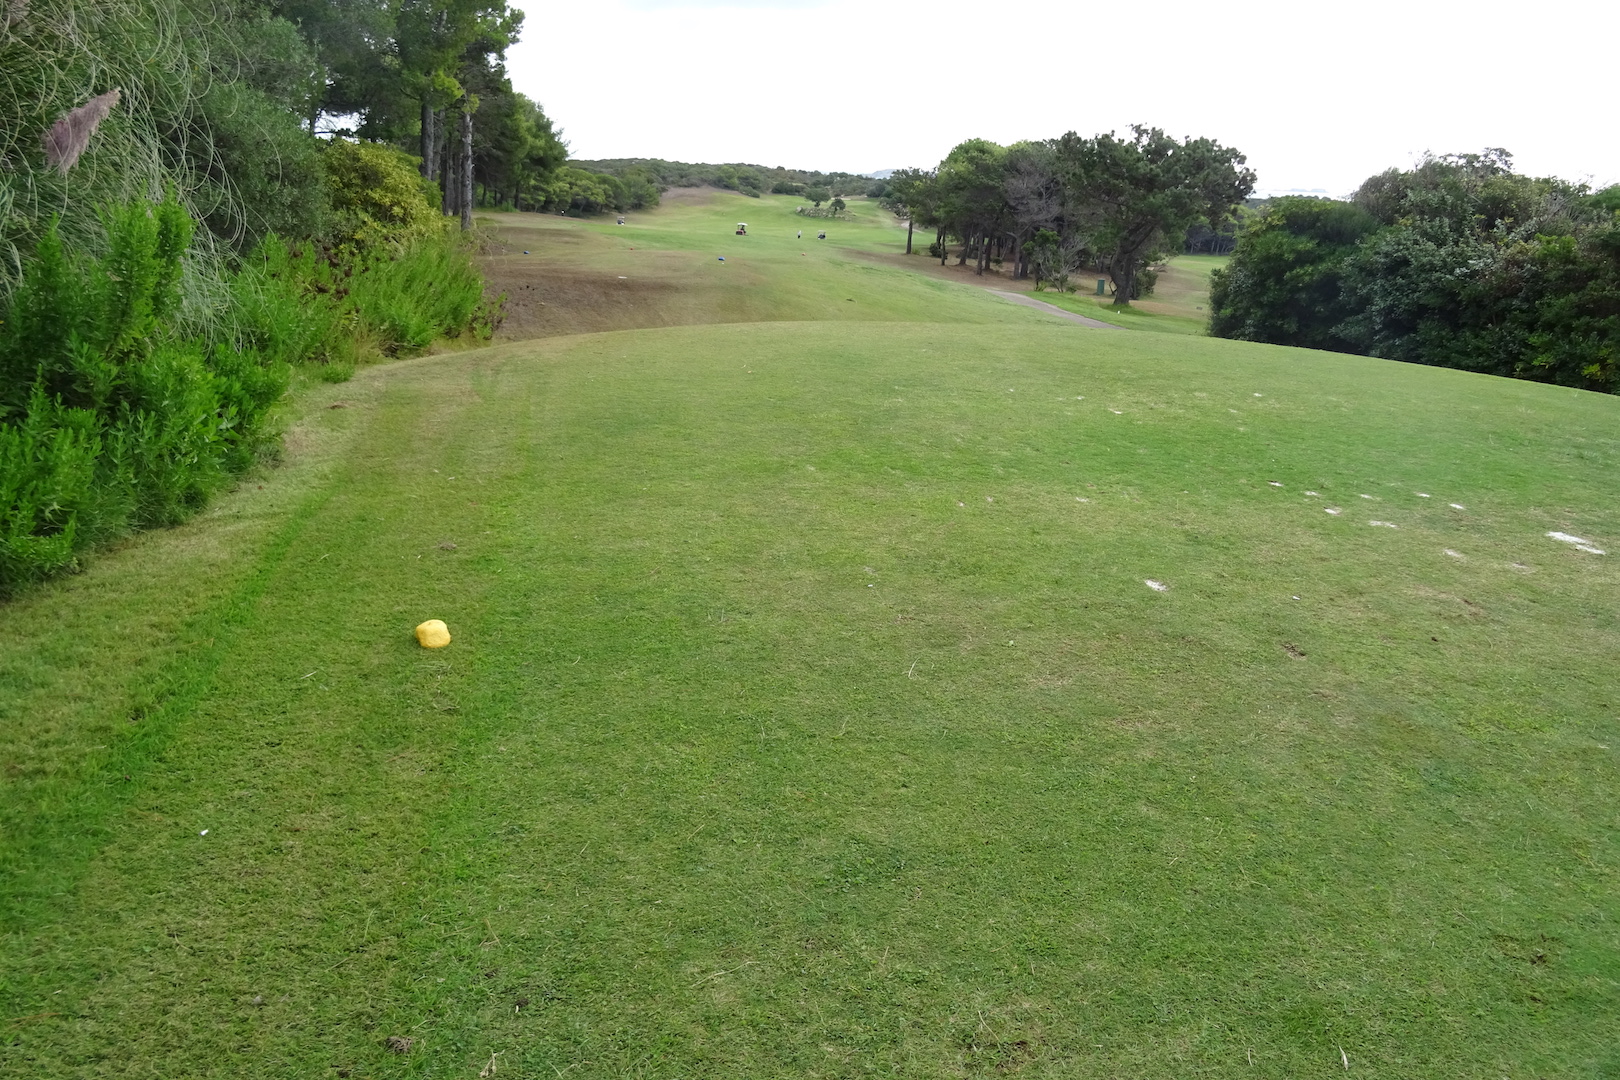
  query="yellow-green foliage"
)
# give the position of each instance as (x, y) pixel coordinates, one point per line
(378, 197)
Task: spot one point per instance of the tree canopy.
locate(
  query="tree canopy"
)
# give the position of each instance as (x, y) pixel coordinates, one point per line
(1457, 262)
(1054, 205)
(1139, 195)
(230, 105)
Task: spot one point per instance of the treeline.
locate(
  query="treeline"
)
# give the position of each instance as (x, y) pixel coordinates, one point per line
(751, 180)
(1459, 262)
(229, 103)
(196, 197)
(1052, 207)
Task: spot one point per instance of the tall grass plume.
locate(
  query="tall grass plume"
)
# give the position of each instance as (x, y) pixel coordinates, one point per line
(70, 135)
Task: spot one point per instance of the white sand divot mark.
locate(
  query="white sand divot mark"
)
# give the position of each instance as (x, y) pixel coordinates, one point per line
(1455, 554)
(1580, 545)
(1423, 496)
(1259, 395)
(1458, 506)
(1273, 483)
(1116, 412)
(1156, 586)
(1079, 499)
(1385, 524)
(1366, 496)
(1334, 510)
(1313, 493)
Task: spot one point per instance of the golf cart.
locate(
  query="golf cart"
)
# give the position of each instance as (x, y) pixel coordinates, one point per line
(742, 228)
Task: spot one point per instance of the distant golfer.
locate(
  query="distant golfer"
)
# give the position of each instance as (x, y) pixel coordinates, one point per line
(821, 236)
(800, 235)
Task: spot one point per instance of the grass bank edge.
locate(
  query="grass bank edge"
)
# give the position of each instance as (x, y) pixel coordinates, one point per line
(125, 402)
(51, 828)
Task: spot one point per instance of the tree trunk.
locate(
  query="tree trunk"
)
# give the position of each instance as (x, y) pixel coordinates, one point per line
(939, 239)
(910, 223)
(430, 152)
(447, 190)
(466, 169)
(1124, 274)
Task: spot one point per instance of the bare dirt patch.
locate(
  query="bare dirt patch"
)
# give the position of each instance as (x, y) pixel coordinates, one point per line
(545, 300)
(561, 276)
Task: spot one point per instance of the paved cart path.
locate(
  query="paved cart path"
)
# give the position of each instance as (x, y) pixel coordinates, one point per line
(1019, 298)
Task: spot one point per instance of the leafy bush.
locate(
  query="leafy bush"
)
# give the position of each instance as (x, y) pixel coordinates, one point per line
(306, 305)
(47, 467)
(592, 193)
(1284, 283)
(1459, 262)
(378, 197)
(264, 174)
(110, 417)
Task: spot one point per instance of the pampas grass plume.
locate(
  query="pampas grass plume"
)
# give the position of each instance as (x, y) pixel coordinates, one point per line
(71, 134)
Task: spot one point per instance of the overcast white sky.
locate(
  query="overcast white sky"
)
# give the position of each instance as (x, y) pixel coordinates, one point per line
(1317, 95)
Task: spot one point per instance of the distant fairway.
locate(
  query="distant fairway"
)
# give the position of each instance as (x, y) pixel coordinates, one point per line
(810, 713)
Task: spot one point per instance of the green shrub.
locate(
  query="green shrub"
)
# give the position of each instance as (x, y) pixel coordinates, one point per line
(1146, 279)
(274, 313)
(110, 417)
(264, 173)
(47, 467)
(117, 413)
(1285, 283)
(378, 198)
(408, 299)
(309, 306)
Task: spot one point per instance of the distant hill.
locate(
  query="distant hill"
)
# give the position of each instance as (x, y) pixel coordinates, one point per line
(748, 179)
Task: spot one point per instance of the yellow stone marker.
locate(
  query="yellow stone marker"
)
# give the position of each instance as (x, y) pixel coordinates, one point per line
(433, 634)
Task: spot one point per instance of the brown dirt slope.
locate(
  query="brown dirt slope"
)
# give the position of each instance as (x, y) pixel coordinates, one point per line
(576, 281)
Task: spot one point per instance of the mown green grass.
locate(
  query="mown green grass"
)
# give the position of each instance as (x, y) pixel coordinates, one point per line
(1179, 304)
(664, 268)
(802, 720)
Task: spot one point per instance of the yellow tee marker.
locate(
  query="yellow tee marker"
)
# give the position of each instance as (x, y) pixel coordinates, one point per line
(433, 634)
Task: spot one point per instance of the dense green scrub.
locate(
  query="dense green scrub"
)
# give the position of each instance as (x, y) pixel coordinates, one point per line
(121, 409)
(809, 713)
(1458, 262)
(109, 418)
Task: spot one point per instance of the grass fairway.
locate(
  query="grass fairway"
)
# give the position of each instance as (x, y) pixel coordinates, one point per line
(1179, 304)
(809, 714)
(685, 265)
